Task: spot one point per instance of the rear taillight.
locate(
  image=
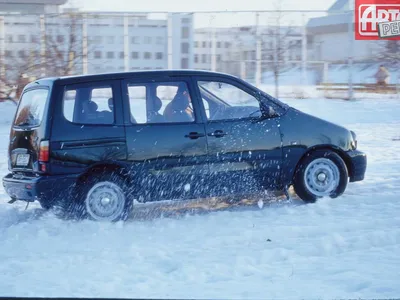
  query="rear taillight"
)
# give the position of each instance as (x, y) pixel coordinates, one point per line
(44, 152)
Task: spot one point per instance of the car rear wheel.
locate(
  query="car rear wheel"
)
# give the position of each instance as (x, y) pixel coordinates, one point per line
(322, 173)
(105, 201)
(102, 198)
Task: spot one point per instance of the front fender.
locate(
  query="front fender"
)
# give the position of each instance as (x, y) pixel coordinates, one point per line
(302, 133)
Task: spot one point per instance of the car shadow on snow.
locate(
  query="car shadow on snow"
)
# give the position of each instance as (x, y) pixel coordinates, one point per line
(179, 209)
(162, 209)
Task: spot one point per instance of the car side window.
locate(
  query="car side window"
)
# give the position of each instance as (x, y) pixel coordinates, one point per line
(160, 102)
(89, 105)
(225, 101)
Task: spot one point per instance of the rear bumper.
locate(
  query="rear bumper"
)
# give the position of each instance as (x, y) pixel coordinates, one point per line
(42, 189)
(358, 165)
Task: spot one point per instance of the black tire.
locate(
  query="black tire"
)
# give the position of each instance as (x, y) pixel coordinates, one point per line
(79, 208)
(325, 158)
(46, 205)
(55, 200)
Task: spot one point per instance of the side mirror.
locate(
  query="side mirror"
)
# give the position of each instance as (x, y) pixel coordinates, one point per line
(268, 111)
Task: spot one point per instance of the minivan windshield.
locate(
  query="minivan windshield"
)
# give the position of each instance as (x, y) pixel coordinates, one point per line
(31, 108)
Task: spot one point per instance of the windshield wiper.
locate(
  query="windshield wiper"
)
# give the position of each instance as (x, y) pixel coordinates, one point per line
(258, 110)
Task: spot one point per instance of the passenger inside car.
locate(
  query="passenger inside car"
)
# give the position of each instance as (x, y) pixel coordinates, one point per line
(90, 113)
(107, 115)
(154, 115)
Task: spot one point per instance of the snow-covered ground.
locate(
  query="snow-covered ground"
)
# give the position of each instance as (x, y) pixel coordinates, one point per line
(347, 247)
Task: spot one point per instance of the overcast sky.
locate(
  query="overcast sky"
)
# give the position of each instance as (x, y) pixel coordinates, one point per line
(207, 5)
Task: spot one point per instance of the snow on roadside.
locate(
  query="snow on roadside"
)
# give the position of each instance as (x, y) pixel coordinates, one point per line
(7, 111)
(346, 247)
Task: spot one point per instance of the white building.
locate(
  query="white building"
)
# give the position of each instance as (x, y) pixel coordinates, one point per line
(31, 6)
(331, 39)
(235, 48)
(146, 43)
(95, 42)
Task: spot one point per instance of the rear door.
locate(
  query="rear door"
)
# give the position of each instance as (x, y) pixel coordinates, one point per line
(244, 151)
(87, 126)
(166, 140)
(29, 129)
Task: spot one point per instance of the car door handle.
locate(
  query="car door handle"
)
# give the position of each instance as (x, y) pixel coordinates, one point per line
(194, 135)
(217, 133)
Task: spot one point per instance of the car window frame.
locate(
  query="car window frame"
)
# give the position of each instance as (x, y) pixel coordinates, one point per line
(98, 84)
(146, 80)
(232, 82)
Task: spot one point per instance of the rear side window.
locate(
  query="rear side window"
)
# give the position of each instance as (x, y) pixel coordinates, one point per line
(31, 108)
(160, 102)
(89, 105)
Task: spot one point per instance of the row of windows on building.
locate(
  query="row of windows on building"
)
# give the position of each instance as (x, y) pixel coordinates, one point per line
(96, 54)
(158, 40)
(206, 58)
(21, 38)
(147, 40)
(198, 58)
(204, 44)
(101, 68)
(133, 55)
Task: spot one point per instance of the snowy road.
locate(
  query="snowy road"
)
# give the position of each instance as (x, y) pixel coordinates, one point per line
(347, 247)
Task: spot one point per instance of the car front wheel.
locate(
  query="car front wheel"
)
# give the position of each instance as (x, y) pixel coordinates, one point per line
(321, 173)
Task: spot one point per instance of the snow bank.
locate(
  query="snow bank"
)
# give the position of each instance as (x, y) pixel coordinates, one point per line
(7, 112)
(336, 73)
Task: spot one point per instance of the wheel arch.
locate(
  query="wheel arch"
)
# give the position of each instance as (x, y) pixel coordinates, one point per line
(117, 168)
(332, 148)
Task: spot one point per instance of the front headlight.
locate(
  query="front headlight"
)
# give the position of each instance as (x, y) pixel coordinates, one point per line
(354, 140)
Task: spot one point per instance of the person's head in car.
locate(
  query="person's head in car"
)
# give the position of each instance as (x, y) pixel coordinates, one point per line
(182, 96)
(180, 105)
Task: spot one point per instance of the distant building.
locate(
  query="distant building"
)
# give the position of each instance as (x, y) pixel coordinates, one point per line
(236, 47)
(329, 36)
(31, 6)
(143, 43)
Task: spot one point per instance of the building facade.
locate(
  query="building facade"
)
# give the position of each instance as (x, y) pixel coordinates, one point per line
(39, 39)
(234, 50)
(74, 42)
(332, 40)
(31, 6)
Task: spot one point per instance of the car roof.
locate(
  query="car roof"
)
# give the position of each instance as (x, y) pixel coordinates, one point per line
(123, 75)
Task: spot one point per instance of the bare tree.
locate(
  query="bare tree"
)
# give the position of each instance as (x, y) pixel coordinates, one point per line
(278, 44)
(64, 51)
(63, 55)
(16, 74)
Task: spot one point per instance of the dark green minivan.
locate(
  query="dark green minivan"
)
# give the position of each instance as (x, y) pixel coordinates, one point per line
(99, 142)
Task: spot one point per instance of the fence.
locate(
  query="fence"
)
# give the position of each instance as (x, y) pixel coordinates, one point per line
(277, 50)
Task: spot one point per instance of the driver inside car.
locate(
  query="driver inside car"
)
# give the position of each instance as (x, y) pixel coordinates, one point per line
(179, 109)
